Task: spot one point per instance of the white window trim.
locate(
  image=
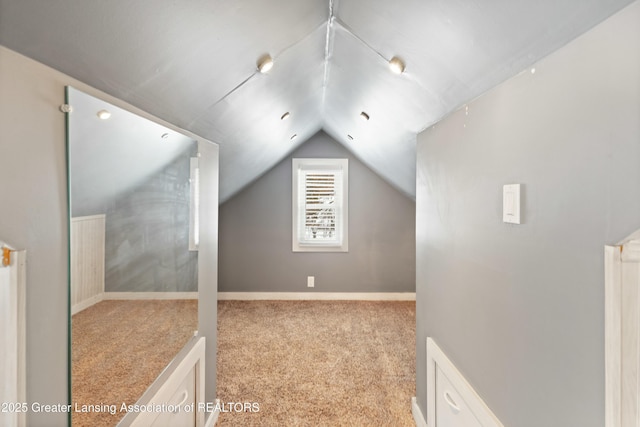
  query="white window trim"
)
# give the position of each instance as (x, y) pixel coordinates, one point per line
(297, 211)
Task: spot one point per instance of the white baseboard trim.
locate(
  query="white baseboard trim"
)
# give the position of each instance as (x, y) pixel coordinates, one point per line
(149, 295)
(213, 417)
(417, 413)
(321, 296)
(77, 308)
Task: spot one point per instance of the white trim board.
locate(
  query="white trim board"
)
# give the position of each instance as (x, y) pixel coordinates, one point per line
(622, 335)
(190, 361)
(77, 308)
(630, 251)
(455, 384)
(417, 413)
(318, 296)
(13, 336)
(613, 336)
(213, 416)
(89, 217)
(149, 295)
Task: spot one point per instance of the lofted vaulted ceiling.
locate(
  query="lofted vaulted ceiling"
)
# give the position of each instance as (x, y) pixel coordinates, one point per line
(193, 63)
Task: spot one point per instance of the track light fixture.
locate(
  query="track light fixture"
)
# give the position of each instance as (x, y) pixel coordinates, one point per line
(396, 65)
(103, 114)
(265, 63)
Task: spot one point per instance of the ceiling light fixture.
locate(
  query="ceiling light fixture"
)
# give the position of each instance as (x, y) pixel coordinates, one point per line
(364, 116)
(103, 114)
(396, 65)
(285, 116)
(265, 63)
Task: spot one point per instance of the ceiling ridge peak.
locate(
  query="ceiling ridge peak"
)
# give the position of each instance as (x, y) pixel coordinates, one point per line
(327, 52)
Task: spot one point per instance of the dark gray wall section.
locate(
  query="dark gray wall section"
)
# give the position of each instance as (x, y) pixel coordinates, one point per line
(255, 234)
(520, 308)
(147, 234)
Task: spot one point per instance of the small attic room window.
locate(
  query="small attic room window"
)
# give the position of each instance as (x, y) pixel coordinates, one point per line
(320, 205)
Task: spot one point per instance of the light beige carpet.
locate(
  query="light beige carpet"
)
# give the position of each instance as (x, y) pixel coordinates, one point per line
(316, 363)
(118, 350)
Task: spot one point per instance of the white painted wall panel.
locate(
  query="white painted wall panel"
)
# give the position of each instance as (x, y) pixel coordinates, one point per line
(87, 253)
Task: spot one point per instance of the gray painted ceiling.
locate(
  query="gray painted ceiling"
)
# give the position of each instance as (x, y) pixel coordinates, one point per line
(193, 63)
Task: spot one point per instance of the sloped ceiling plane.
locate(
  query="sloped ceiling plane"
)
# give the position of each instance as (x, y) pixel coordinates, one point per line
(194, 63)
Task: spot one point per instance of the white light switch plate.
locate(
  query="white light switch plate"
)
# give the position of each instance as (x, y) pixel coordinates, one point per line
(511, 203)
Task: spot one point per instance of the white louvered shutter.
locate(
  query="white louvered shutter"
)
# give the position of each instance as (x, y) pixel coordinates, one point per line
(320, 207)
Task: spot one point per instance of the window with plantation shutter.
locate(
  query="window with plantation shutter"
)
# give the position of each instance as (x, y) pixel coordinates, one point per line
(320, 205)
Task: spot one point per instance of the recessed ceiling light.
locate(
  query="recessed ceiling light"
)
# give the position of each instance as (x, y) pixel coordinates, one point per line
(350, 137)
(364, 116)
(396, 65)
(103, 114)
(293, 136)
(265, 63)
(285, 116)
(533, 70)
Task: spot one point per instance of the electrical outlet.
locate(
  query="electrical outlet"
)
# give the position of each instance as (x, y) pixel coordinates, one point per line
(311, 281)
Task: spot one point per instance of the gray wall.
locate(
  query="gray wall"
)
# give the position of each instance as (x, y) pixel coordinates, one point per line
(34, 217)
(519, 308)
(255, 234)
(147, 234)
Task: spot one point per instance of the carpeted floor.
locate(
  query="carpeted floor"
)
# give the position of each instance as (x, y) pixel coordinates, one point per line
(316, 363)
(120, 347)
(300, 363)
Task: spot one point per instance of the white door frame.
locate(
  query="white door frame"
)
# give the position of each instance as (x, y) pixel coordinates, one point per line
(622, 335)
(13, 336)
